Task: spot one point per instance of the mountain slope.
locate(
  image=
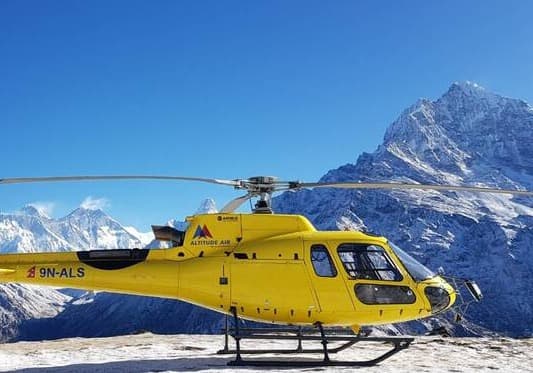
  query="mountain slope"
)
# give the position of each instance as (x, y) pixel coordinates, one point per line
(19, 303)
(104, 314)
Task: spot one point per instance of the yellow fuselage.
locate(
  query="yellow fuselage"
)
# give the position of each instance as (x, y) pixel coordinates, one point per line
(259, 264)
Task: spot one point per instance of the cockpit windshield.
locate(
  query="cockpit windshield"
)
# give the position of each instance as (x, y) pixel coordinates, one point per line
(417, 270)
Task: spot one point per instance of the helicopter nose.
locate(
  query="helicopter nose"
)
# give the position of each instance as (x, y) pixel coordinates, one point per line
(439, 298)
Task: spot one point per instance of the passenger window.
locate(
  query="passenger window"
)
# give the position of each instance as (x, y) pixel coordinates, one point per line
(322, 263)
(363, 261)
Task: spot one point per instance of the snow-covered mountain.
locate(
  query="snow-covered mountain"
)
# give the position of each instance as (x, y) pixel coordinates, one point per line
(30, 230)
(469, 136)
(33, 313)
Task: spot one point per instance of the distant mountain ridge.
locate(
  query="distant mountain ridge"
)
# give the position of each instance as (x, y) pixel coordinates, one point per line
(29, 230)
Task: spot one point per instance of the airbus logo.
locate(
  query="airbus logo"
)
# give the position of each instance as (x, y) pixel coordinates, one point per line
(202, 232)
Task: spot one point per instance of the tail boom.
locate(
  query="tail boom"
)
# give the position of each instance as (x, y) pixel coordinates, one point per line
(142, 272)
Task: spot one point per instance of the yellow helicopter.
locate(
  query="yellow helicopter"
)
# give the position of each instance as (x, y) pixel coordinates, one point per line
(263, 267)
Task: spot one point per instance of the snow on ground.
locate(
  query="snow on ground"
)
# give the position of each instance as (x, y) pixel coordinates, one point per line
(178, 353)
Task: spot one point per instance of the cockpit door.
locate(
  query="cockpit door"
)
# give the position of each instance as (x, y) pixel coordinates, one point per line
(326, 278)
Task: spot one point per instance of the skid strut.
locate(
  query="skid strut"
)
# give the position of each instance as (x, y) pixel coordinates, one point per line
(300, 334)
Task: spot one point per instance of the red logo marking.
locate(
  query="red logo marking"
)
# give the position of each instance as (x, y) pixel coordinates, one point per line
(31, 272)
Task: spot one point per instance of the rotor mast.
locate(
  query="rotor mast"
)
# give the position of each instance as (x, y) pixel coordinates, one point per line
(261, 187)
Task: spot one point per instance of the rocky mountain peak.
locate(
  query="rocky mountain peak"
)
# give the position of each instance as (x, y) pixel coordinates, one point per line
(83, 211)
(32, 210)
(467, 88)
(467, 128)
(208, 206)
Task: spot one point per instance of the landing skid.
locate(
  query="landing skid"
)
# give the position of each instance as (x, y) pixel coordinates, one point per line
(300, 334)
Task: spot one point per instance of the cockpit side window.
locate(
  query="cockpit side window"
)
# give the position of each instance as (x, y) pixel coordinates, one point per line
(322, 263)
(366, 261)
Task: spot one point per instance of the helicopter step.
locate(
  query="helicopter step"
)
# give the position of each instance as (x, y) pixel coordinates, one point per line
(299, 334)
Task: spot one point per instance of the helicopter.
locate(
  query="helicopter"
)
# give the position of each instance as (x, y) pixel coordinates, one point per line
(266, 267)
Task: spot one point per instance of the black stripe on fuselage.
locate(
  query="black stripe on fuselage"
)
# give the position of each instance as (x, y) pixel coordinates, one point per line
(113, 259)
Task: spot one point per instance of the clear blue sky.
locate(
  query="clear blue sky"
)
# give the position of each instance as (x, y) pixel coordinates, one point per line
(228, 89)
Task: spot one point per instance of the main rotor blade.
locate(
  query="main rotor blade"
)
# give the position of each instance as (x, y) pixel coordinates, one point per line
(23, 180)
(236, 203)
(356, 185)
